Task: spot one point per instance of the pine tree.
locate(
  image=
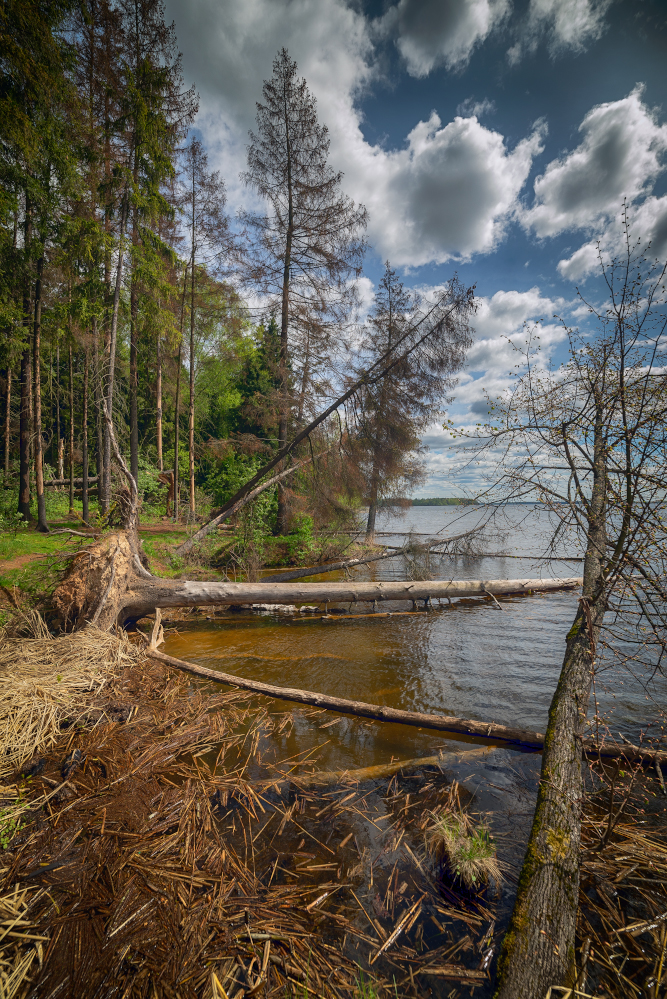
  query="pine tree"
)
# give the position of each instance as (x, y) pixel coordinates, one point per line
(309, 243)
(203, 206)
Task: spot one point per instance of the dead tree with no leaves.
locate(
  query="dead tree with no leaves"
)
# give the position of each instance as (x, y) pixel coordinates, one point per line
(594, 442)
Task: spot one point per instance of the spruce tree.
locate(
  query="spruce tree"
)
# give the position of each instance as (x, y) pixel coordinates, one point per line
(309, 242)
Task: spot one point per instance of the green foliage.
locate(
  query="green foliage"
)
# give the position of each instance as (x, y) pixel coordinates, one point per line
(11, 822)
(366, 988)
(468, 849)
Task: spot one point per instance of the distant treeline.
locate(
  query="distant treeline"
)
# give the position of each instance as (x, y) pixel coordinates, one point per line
(433, 501)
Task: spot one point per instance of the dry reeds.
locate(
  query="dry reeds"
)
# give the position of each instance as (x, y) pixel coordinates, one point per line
(16, 960)
(622, 931)
(189, 855)
(45, 681)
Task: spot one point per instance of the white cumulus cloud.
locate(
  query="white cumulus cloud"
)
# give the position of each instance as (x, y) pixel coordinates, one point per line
(446, 194)
(620, 156)
(566, 25)
(432, 33)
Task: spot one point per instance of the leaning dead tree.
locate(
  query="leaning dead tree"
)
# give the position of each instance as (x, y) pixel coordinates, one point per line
(437, 338)
(594, 440)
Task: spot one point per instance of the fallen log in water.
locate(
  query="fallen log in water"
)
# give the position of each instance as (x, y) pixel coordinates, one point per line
(441, 723)
(145, 596)
(110, 585)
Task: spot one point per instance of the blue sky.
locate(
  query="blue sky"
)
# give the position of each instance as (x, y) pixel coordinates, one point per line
(497, 138)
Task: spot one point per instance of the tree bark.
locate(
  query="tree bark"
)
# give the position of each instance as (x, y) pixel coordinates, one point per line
(538, 949)
(99, 422)
(37, 402)
(113, 334)
(71, 432)
(158, 405)
(177, 415)
(191, 404)
(8, 420)
(24, 437)
(59, 446)
(177, 411)
(373, 505)
(84, 440)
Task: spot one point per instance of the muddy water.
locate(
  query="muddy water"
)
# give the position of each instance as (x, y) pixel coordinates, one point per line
(470, 659)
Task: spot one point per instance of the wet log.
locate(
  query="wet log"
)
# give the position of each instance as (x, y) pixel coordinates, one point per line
(489, 731)
(384, 770)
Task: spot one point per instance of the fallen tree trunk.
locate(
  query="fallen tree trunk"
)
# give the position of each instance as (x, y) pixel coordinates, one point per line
(409, 549)
(54, 483)
(107, 582)
(142, 599)
(440, 723)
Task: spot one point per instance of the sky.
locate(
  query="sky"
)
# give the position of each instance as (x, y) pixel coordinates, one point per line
(493, 138)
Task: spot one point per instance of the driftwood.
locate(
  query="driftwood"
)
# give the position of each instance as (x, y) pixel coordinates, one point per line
(56, 483)
(383, 770)
(489, 731)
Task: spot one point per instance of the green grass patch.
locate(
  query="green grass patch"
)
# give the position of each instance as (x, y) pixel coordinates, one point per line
(468, 849)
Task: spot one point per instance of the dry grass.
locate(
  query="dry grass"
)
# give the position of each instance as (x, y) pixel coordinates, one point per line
(15, 959)
(45, 681)
(467, 848)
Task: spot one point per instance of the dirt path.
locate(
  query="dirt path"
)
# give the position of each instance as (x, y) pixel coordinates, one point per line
(19, 561)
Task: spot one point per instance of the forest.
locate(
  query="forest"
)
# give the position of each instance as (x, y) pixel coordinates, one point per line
(210, 341)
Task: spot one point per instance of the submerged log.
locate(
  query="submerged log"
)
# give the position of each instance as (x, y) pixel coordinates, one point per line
(490, 731)
(108, 583)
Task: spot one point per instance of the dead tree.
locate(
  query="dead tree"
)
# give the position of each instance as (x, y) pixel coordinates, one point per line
(593, 436)
(310, 243)
(438, 330)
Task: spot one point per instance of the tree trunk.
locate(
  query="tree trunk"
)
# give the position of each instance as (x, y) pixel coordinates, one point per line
(177, 415)
(538, 949)
(99, 424)
(59, 446)
(282, 518)
(37, 402)
(177, 411)
(158, 406)
(24, 437)
(71, 432)
(372, 505)
(134, 596)
(8, 420)
(191, 406)
(134, 385)
(113, 334)
(84, 440)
